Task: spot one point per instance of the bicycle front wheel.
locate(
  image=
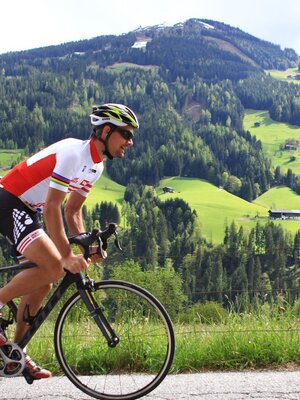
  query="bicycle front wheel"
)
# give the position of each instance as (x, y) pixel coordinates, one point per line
(141, 359)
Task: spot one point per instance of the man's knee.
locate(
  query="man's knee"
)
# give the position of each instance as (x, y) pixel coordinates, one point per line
(53, 272)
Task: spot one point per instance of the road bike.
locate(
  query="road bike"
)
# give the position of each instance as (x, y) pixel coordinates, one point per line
(113, 339)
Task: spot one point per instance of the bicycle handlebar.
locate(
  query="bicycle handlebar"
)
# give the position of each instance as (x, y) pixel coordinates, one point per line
(86, 239)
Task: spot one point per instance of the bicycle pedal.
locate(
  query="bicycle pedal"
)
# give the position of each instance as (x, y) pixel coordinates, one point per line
(29, 379)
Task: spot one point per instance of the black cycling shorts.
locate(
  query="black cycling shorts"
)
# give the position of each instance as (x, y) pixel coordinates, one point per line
(18, 223)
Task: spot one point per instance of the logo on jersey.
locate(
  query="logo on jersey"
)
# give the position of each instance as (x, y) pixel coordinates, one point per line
(21, 220)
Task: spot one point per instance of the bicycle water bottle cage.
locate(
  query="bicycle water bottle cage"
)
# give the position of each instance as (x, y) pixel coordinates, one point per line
(27, 318)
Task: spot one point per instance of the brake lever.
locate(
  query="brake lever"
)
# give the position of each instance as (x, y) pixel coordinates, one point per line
(101, 247)
(117, 242)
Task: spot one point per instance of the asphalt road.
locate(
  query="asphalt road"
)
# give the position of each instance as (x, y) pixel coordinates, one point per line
(281, 385)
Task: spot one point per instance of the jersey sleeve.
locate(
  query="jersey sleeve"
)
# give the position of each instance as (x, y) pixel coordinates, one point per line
(66, 165)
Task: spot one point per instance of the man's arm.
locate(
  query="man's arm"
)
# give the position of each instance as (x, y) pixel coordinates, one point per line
(54, 221)
(55, 228)
(73, 217)
(73, 213)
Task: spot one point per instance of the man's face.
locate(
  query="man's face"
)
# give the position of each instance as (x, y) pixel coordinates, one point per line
(119, 141)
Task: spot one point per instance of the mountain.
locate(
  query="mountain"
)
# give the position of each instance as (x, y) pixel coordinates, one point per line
(188, 83)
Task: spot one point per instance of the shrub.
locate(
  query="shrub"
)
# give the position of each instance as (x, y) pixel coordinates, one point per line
(204, 313)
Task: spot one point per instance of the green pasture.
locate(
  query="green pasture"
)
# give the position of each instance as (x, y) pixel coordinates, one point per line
(120, 67)
(283, 75)
(273, 136)
(281, 197)
(215, 207)
(105, 190)
(7, 157)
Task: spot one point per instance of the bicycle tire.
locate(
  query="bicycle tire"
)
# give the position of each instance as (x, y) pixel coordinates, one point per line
(141, 360)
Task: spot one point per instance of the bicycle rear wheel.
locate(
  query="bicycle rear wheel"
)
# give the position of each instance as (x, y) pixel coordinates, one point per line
(141, 359)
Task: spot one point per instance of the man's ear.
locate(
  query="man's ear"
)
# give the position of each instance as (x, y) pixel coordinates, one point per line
(105, 131)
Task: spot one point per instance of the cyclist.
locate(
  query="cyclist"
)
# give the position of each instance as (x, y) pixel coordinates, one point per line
(40, 185)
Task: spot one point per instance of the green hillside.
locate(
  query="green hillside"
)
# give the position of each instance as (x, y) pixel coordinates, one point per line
(215, 207)
(105, 190)
(281, 198)
(284, 75)
(8, 157)
(273, 136)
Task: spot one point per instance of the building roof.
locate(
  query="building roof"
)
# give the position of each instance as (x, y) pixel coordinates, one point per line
(285, 211)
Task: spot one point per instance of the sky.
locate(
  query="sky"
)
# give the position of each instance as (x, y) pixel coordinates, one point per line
(37, 23)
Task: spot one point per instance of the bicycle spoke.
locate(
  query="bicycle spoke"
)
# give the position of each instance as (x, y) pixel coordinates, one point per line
(139, 361)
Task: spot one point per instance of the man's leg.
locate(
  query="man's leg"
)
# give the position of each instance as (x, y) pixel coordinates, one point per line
(29, 303)
(49, 269)
(33, 285)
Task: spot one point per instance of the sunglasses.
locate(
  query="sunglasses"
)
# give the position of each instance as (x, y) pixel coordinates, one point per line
(127, 135)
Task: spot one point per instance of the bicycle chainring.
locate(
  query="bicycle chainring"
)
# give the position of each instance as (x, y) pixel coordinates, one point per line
(12, 360)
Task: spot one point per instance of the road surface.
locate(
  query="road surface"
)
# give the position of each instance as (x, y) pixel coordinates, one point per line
(273, 385)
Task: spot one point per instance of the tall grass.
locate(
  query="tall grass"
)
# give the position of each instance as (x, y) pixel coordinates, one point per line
(265, 339)
(246, 341)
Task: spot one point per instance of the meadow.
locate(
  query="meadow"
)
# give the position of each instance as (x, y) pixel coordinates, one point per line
(215, 207)
(284, 75)
(8, 157)
(273, 136)
(105, 190)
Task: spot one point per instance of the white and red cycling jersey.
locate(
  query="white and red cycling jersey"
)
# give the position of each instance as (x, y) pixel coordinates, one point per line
(68, 165)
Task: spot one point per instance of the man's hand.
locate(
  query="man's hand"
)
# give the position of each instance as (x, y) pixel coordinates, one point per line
(95, 257)
(75, 263)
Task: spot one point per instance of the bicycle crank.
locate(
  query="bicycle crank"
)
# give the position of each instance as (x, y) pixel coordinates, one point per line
(12, 360)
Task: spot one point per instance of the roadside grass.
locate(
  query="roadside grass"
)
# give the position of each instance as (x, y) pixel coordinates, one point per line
(273, 136)
(241, 342)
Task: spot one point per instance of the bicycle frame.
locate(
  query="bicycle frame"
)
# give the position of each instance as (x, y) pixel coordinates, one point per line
(84, 287)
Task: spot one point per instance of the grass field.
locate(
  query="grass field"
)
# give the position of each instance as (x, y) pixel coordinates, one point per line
(105, 190)
(273, 136)
(120, 67)
(215, 207)
(283, 75)
(7, 157)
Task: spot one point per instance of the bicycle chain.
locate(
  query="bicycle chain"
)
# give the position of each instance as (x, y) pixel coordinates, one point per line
(12, 360)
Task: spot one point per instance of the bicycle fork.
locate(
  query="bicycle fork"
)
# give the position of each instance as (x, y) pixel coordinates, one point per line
(99, 317)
